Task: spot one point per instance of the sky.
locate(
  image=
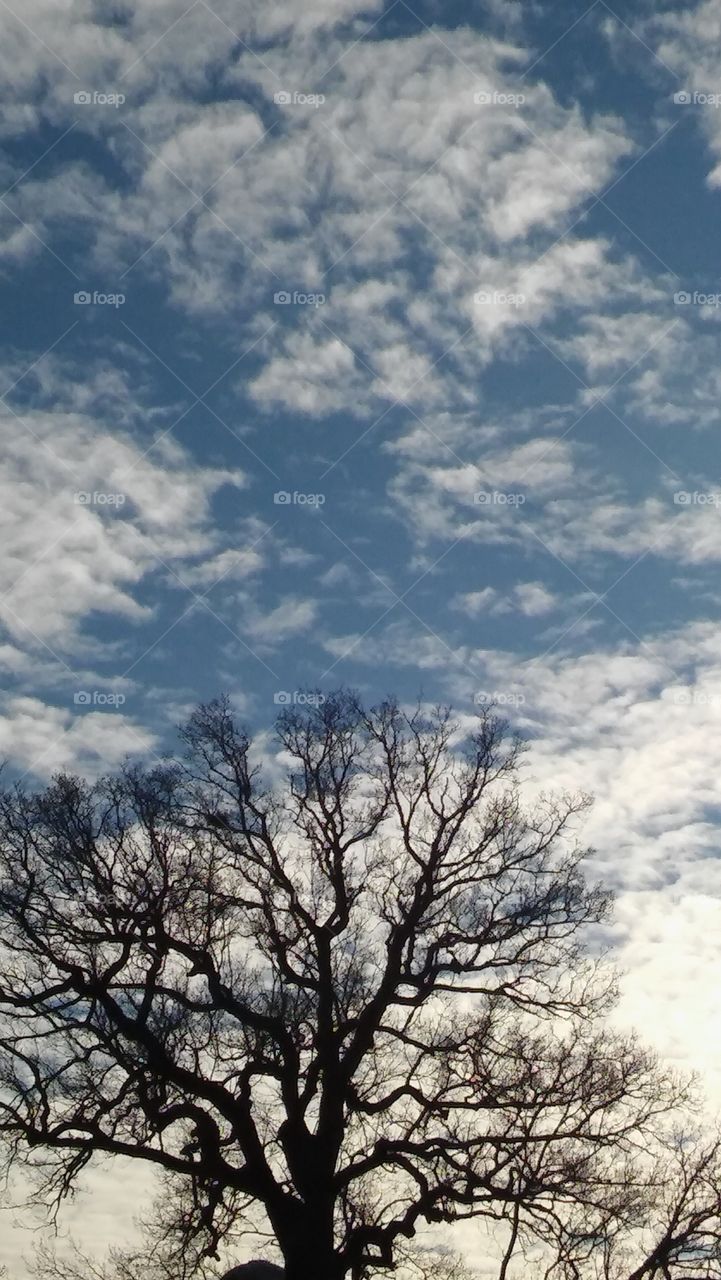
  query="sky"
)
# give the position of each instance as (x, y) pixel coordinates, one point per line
(378, 345)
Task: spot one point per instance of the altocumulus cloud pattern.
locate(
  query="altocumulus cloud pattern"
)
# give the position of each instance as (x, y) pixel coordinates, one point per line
(378, 344)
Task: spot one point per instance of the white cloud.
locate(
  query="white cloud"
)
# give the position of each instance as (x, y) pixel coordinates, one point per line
(398, 167)
(607, 342)
(638, 726)
(533, 599)
(687, 39)
(312, 375)
(86, 515)
(51, 50)
(232, 565)
(292, 617)
(475, 603)
(43, 739)
(529, 598)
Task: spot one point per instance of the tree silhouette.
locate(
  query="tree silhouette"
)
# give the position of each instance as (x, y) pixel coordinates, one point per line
(336, 1009)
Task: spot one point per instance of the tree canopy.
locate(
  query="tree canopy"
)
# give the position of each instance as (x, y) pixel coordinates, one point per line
(341, 1006)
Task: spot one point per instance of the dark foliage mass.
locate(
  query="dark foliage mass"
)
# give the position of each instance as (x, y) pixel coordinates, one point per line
(341, 1007)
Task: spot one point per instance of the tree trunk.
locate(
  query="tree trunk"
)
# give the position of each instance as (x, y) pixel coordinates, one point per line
(309, 1254)
(305, 1226)
(310, 1264)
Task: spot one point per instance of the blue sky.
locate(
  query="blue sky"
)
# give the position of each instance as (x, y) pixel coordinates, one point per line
(491, 402)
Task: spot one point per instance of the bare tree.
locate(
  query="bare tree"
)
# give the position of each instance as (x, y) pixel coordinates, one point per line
(428, 1263)
(337, 1009)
